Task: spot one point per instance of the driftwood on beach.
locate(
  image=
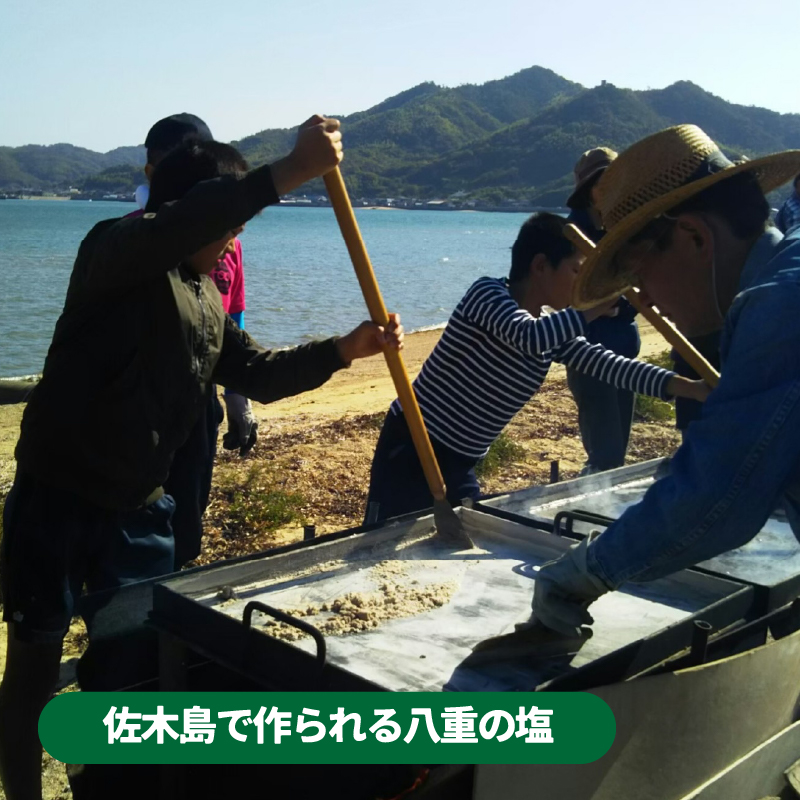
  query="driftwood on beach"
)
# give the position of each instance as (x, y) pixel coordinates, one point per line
(16, 390)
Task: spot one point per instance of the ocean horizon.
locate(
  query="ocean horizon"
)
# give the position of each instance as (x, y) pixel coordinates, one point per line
(300, 284)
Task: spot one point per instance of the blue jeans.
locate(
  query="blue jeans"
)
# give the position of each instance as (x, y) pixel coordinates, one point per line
(397, 482)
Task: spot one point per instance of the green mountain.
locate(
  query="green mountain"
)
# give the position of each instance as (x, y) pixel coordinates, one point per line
(122, 178)
(744, 128)
(59, 165)
(520, 137)
(541, 150)
(535, 157)
(386, 142)
(516, 138)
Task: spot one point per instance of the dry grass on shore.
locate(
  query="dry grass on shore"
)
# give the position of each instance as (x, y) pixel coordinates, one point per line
(318, 473)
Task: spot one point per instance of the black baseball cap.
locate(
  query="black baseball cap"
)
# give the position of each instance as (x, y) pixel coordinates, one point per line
(172, 131)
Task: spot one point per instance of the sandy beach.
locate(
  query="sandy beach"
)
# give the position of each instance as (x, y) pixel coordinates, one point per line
(366, 388)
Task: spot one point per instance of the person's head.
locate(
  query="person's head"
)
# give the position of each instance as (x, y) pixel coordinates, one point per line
(169, 133)
(544, 263)
(681, 250)
(182, 169)
(591, 165)
(680, 220)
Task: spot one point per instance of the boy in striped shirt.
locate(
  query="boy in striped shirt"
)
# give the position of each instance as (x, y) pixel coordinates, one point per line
(492, 358)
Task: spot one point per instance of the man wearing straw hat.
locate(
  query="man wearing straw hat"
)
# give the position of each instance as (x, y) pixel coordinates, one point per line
(690, 229)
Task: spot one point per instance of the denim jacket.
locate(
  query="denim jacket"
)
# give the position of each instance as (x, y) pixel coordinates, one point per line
(741, 458)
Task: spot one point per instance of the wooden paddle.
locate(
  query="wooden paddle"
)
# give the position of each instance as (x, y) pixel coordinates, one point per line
(447, 522)
(673, 336)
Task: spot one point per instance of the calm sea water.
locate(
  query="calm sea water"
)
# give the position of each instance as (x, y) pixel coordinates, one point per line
(299, 280)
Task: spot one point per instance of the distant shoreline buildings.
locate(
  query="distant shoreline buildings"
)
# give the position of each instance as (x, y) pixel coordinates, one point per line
(458, 202)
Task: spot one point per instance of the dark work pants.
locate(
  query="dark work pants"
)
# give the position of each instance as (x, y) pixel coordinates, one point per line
(605, 414)
(124, 651)
(397, 482)
(55, 542)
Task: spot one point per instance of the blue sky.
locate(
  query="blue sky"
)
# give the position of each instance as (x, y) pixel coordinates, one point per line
(98, 74)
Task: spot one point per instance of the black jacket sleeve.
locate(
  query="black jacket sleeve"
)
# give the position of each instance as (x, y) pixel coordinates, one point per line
(121, 256)
(263, 375)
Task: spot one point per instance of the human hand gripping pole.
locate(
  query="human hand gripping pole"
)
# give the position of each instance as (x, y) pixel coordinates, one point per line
(448, 524)
(673, 336)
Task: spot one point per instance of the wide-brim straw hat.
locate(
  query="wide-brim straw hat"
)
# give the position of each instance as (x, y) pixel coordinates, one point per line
(650, 178)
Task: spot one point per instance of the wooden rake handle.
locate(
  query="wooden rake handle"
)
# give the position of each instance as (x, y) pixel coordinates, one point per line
(337, 193)
(673, 336)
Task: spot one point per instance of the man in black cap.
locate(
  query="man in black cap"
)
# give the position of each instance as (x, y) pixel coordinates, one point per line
(168, 133)
(144, 334)
(104, 663)
(190, 477)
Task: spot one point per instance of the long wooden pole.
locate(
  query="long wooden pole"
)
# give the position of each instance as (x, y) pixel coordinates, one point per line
(673, 336)
(337, 192)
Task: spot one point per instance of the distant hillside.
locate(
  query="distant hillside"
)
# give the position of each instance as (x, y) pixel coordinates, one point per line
(534, 158)
(403, 132)
(516, 138)
(540, 152)
(745, 128)
(59, 165)
(388, 141)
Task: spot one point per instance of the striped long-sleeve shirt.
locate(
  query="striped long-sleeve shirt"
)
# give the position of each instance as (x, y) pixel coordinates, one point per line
(493, 357)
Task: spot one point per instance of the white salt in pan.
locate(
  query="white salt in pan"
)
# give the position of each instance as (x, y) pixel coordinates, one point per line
(484, 592)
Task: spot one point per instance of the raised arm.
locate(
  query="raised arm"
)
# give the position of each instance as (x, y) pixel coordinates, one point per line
(132, 251)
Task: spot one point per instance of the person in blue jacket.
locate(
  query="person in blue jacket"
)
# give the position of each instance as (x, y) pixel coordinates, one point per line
(691, 230)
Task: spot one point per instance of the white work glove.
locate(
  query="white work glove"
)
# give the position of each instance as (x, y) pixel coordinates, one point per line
(564, 590)
(242, 426)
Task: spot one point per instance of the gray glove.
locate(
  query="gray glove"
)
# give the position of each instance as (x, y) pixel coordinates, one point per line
(242, 426)
(564, 590)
